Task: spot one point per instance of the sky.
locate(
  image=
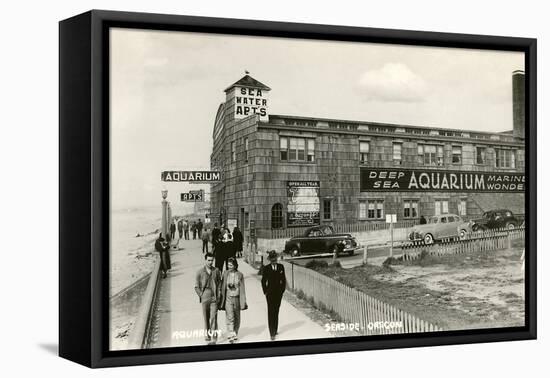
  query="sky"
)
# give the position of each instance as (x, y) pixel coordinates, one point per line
(166, 87)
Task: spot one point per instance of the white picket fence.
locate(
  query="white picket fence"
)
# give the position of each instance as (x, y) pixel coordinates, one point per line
(482, 241)
(372, 316)
(285, 233)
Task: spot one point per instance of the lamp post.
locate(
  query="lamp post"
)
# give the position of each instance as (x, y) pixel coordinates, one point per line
(164, 220)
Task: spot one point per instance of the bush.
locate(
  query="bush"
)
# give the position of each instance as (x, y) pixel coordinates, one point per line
(424, 254)
(336, 264)
(391, 261)
(316, 264)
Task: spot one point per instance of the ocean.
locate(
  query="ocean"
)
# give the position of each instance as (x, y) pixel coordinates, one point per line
(133, 233)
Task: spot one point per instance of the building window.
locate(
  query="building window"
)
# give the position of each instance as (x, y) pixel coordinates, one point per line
(397, 153)
(283, 146)
(327, 209)
(362, 209)
(480, 155)
(410, 208)
(233, 152)
(430, 154)
(439, 156)
(364, 148)
(376, 209)
(297, 149)
(457, 155)
(310, 150)
(462, 207)
(277, 216)
(245, 149)
(505, 158)
(441, 207)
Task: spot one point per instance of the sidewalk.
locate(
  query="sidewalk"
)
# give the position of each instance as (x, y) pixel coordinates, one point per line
(179, 311)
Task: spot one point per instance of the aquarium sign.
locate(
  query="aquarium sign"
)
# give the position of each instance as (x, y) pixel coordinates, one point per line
(418, 180)
(190, 176)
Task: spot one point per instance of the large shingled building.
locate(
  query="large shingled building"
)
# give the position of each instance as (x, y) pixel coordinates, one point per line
(283, 171)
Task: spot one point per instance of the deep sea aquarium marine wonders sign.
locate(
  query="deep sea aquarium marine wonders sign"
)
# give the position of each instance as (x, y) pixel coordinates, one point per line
(417, 180)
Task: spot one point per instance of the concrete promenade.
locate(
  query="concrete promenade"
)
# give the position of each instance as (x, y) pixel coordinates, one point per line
(179, 311)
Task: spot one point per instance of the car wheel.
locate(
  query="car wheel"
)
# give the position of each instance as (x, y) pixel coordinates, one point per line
(294, 252)
(510, 226)
(462, 234)
(428, 239)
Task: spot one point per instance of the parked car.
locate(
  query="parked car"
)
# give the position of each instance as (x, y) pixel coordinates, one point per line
(493, 219)
(321, 239)
(440, 227)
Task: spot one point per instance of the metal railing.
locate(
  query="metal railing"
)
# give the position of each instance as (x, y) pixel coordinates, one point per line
(141, 331)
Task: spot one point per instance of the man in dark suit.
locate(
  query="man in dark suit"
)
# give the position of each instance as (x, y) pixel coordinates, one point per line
(273, 285)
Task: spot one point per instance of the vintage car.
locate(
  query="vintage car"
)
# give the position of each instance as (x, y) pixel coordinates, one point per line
(494, 219)
(321, 239)
(441, 227)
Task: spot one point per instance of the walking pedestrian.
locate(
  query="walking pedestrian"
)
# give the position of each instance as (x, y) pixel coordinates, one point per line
(233, 298)
(160, 247)
(186, 229)
(194, 230)
(172, 230)
(199, 228)
(229, 245)
(207, 287)
(205, 239)
(238, 241)
(273, 285)
(222, 250)
(180, 228)
(215, 237)
(167, 247)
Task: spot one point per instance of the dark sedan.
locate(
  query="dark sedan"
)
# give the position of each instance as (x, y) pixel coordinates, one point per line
(321, 239)
(496, 219)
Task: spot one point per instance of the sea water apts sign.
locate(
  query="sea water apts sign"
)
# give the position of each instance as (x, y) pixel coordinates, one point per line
(250, 101)
(190, 176)
(303, 203)
(379, 179)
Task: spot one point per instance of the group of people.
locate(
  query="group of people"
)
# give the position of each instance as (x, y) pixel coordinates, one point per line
(226, 291)
(183, 227)
(224, 244)
(219, 284)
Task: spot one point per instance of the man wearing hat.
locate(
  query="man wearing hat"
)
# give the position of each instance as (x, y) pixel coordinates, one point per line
(273, 285)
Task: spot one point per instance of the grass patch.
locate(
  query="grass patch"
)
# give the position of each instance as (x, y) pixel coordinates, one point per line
(318, 305)
(316, 264)
(444, 306)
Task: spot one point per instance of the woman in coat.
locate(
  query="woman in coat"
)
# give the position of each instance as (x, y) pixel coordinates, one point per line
(233, 298)
(238, 241)
(228, 245)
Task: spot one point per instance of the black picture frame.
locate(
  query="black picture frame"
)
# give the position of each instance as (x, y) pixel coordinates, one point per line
(84, 186)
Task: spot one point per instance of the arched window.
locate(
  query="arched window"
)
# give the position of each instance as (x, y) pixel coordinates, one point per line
(277, 216)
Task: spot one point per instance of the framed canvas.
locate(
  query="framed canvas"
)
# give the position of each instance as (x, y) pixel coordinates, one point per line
(236, 188)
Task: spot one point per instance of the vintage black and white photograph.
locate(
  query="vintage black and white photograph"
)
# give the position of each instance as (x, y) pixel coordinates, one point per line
(266, 189)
